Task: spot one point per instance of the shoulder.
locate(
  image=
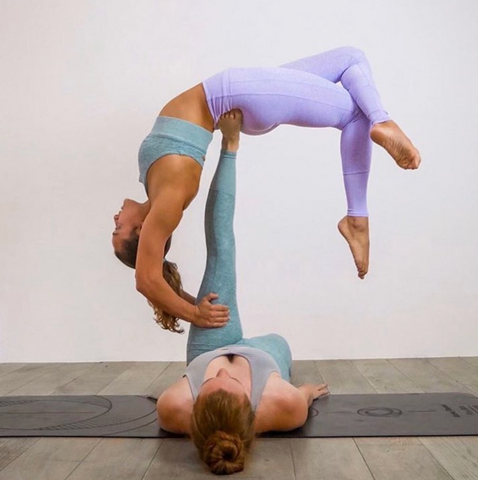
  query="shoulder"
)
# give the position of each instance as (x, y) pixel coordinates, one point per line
(175, 407)
(282, 407)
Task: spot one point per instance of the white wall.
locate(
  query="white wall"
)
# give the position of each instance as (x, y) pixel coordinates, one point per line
(81, 83)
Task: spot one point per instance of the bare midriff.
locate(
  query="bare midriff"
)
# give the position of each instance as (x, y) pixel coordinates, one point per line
(191, 106)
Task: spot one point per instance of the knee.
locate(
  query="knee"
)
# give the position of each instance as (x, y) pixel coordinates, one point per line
(357, 54)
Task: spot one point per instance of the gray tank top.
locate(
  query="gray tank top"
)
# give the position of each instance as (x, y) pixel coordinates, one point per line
(261, 363)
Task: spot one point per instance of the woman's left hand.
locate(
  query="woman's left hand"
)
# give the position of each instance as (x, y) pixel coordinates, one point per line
(318, 390)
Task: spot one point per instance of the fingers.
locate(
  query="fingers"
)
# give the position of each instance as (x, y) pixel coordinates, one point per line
(222, 315)
(213, 315)
(322, 390)
(217, 322)
(211, 296)
(216, 308)
(220, 309)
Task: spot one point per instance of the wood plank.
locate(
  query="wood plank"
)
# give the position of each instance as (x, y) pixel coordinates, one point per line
(375, 441)
(173, 372)
(25, 375)
(399, 460)
(270, 456)
(384, 377)
(328, 459)
(11, 448)
(119, 459)
(305, 371)
(423, 374)
(50, 381)
(136, 380)
(460, 370)
(177, 458)
(95, 379)
(6, 368)
(472, 360)
(458, 455)
(49, 459)
(343, 377)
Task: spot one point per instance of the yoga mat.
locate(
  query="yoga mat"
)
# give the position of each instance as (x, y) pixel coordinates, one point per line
(421, 414)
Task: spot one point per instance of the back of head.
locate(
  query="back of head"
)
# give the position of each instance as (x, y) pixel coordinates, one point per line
(222, 428)
(128, 253)
(129, 250)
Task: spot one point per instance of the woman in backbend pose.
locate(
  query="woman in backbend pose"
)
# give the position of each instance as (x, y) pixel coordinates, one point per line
(304, 93)
(233, 387)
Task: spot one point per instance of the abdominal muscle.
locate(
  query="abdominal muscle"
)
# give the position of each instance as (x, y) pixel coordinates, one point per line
(190, 106)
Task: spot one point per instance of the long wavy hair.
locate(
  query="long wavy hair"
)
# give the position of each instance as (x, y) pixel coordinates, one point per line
(128, 255)
(222, 428)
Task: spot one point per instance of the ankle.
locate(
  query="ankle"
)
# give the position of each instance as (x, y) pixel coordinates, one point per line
(358, 223)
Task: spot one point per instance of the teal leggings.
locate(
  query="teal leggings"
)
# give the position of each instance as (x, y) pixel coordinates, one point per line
(220, 274)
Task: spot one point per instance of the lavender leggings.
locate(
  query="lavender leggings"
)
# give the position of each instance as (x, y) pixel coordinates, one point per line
(306, 93)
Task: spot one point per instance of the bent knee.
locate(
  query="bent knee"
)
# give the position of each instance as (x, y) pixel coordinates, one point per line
(357, 54)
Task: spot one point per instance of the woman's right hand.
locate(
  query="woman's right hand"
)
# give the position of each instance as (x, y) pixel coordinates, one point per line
(208, 315)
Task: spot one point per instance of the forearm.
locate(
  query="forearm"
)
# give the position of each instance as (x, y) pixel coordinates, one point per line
(188, 297)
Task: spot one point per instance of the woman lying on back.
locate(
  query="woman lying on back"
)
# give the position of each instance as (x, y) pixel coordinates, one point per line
(233, 387)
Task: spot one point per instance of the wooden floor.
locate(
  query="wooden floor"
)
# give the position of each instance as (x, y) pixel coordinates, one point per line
(433, 458)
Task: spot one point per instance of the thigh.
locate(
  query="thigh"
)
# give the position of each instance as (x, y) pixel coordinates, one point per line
(277, 347)
(202, 340)
(329, 65)
(269, 97)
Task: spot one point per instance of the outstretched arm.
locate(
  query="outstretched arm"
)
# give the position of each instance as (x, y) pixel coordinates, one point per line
(170, 199)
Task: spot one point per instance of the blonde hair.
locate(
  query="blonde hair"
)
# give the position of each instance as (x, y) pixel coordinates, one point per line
(128, 255)
(222, 428)
(165, 319)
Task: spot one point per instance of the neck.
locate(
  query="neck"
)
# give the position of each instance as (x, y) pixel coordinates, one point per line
(144, 209)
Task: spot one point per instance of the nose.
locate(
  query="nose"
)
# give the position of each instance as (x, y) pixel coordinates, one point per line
(222, 373)
(115, 218)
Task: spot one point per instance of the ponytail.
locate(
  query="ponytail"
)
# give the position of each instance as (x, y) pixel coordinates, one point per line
(172, 277)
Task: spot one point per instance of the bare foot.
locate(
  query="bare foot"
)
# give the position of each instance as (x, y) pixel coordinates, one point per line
(390, 136)
(355, 231)
(230, 125)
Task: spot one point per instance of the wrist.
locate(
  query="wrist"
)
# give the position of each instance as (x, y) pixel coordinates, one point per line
(193, 315)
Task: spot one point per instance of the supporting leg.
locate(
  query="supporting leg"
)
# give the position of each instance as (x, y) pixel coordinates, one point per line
(220, 274)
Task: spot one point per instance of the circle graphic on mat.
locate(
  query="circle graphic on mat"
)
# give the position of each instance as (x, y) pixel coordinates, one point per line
(313, 412)
(380, 412)
(68, 414)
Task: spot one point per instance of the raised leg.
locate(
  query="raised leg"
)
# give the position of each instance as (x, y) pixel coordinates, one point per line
(220, 274)
(350, 66)
(270, 97)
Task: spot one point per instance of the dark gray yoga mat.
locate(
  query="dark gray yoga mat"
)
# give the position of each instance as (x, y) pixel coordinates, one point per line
(421, 414)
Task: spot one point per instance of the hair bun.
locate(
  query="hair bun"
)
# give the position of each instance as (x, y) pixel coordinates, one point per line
(224, 453)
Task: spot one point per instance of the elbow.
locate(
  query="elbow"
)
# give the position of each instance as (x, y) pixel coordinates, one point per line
(142, 286)
(169, 416)
(145, 285)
